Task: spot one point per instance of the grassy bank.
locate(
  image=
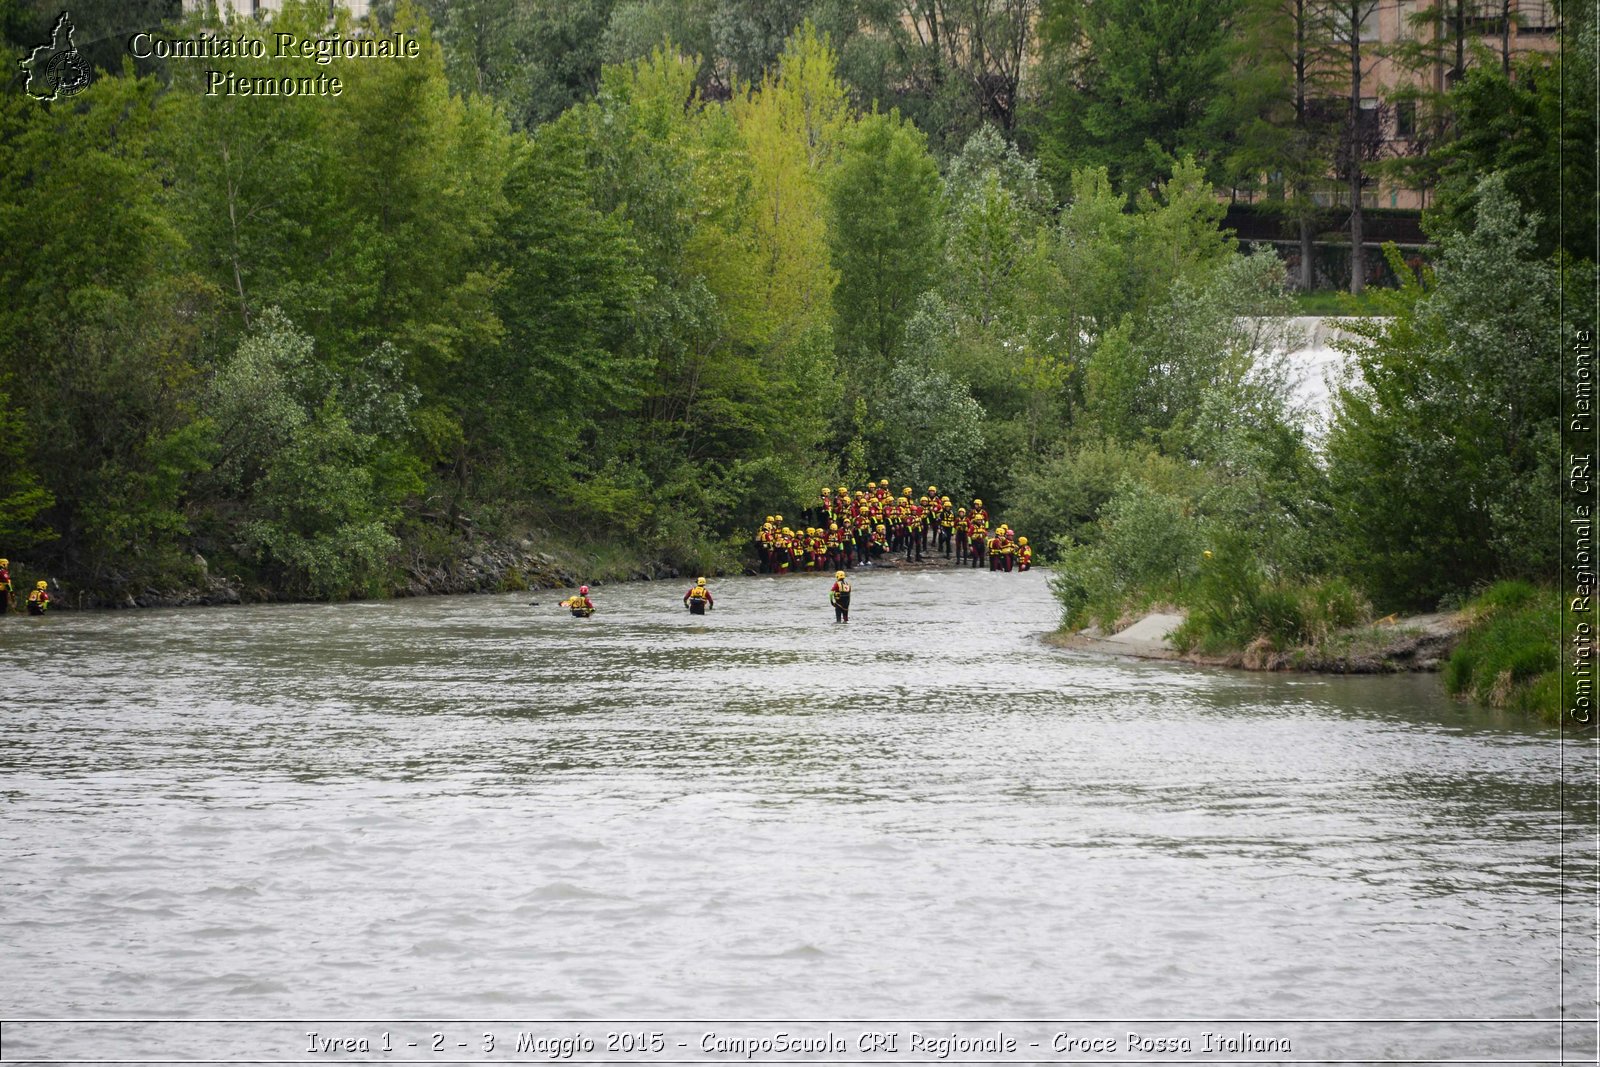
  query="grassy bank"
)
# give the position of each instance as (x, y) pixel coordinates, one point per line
(1337, 302)
(1510, 656)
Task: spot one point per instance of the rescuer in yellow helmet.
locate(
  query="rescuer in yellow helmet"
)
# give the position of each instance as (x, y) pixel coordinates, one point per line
(839, 597)
(698, 598)
(39, 599)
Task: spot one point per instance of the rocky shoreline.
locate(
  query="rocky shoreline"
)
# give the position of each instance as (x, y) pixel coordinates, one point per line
(481, 567)
(484, 566)
(1389, 646)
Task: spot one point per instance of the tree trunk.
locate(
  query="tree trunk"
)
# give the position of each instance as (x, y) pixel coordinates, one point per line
(1308, 275)
(1358, 266)
(1505, 37)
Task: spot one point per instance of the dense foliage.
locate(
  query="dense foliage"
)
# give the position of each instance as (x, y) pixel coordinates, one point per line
(637, 273)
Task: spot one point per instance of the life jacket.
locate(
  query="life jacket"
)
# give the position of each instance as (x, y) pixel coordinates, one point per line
(1025, 553)
(5, 580)
(697, 593)
(38, 601)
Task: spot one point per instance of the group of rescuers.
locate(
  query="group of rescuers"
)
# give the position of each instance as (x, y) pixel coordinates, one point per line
(860, 528)
(38, 601)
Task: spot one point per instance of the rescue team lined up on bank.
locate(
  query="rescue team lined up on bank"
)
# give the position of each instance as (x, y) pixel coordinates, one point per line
(860, 529)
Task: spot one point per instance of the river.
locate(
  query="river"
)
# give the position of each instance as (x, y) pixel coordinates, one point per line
(482, 808)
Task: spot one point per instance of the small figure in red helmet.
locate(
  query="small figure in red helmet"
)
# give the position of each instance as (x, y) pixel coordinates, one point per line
(580, 605)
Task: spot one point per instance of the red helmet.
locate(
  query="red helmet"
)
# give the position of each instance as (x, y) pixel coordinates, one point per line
(583, 589)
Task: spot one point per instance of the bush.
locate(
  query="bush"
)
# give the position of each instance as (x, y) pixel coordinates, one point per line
(1510, 657)
(1234, 602)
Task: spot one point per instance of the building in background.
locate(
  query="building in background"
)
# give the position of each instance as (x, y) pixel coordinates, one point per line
(358, 8)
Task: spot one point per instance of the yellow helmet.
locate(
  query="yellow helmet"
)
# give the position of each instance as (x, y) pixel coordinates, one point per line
(961, 511)
(933, 489)
(844, 489)
(788, 532)
(976, 502)
(922, 500)
(1022, 540)
(902, 500)
(883, 482)
(838, 574)
(5, 563)
(944, 500)
(43, 585)
(906, 491)
(833, 526)
(827, 490)
(699, 581)
(778, 519)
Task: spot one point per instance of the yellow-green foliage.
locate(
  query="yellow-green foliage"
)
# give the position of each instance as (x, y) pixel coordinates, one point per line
(1510, 658)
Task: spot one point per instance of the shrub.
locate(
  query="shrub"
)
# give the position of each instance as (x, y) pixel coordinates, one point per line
(1510, 657)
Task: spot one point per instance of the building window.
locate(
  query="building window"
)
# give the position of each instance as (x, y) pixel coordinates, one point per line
(1369, 120)
(1403, 29)
(1367, 10)
(1487, 17)
(1536, 16)
(1405, 119)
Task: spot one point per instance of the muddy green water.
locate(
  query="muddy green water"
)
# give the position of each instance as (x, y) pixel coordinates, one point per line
(480, 808)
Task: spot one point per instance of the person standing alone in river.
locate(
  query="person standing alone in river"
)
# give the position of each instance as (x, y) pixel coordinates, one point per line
(839, 597)
(39, 599)
(5, 586)
(698, 598)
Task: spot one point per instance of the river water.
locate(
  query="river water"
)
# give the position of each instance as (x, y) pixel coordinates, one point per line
(479, 808)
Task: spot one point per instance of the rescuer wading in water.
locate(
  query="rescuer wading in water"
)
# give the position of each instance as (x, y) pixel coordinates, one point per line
(581, 606)
(839, 597)
(698, 598)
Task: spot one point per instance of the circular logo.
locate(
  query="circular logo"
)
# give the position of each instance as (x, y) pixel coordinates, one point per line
(67, 73)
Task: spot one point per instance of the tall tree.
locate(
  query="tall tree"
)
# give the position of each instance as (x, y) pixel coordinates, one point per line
(1445, 444)
(1134, 86)
(100, 332)
(884, 215)
(1290, 139)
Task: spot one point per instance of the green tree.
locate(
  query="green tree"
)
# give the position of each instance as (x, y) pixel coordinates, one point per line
(932, 430)
(884, 222)
(22, 498)
(1444, 445)
(99, 333)
(1133, 87)
(1523, 127)
(1288, 142)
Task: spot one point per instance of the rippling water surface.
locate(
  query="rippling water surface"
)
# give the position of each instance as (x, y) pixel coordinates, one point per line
(476, 806)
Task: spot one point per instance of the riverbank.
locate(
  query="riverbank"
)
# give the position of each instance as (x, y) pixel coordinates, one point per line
(461, 566)
(1389, 646)
(466, 565)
